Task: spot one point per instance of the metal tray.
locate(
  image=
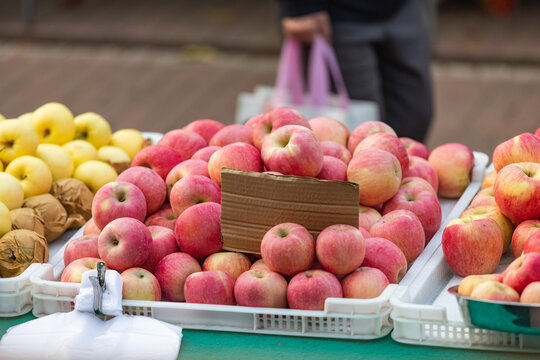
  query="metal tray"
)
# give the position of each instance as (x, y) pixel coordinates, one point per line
(504, 316)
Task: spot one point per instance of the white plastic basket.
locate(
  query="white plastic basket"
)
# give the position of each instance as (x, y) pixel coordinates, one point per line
(427, 314)
(341, 318)
(15, 296)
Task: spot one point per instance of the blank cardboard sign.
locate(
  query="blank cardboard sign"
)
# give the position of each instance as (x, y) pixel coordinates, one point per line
(252, 203)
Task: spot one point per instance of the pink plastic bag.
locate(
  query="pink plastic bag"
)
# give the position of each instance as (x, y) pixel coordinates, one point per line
(322, 64)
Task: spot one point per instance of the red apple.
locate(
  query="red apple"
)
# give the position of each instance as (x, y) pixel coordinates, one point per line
(239, 156)
(159, 158)
(333, 169)
(288, 248)
(309, 290)
(328, 129)
(453, 164)
(485, 197)
(415, 148)
(472, 246)
(149, 182)
(377, 173)
(205, 128)
(532, 244)
(232, 263)
(331, 148)
(124, 243)
(172, 272)
(293, 150)
(522, 148)
(210, 287)
(364, 283)
(118, 199)
(254, 120)
(387, 257)
(492, 212)
(422, 203)
(364, 232)
(367, 216)
(231, 134)
(81, 247)
(340, 248)
(414, 182)
(140, 284)
(198, 230)
(517, 191)
(467, 285)
(273, 120)
(388, 143)
(164, 217)
(91, 228)
(205, 153)
(184, 142)
(421, 168)
(163, 244)
(192, 190)
(186, 168)
(522, 233)
(494, 290)
(403, 228)
(489, 180)
(261, 288)
(537, 132)
(531, 293)
(522, 271)
(364, 130)
(259, 265)
(74, 271)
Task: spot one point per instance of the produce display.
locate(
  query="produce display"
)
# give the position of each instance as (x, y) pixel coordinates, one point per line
(51, 163)
(504, 216)
(159, 222)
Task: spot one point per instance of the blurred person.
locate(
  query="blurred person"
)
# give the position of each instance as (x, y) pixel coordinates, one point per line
(383, 51)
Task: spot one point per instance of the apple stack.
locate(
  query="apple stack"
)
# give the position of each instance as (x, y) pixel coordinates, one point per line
(504, 215)
(159, 222)
(50, 150)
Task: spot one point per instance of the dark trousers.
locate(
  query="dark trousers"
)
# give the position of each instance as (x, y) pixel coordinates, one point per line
(389, 62)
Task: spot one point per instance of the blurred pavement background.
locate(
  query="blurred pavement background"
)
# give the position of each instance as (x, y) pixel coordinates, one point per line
(157, 65)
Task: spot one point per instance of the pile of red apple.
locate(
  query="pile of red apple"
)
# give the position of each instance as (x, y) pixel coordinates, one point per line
(504, 215)
(159, 222)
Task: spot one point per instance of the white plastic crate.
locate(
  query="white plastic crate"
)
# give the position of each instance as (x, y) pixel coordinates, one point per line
(427, 314)
(341, 318)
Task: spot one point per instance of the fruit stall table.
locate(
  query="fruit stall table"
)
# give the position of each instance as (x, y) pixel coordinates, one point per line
(227, 345)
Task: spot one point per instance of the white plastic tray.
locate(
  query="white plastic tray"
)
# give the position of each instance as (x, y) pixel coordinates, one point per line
(341, 318)
(427, 314)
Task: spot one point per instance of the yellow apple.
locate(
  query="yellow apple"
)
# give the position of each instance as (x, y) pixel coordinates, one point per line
(11, 191)
(129, 140)
(2, 117)
(80, 151)
(25, 117)
(57, 159)
(53, 123)
(17, 138)
(5, 219)
(93, 128)
(95, 174)
(1, 166)
(33, 173)
(114, 156)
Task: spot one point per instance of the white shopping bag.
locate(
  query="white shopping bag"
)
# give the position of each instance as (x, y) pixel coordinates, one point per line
(317, 101)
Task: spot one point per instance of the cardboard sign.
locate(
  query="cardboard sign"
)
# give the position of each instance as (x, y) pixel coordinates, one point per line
(252, 203)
